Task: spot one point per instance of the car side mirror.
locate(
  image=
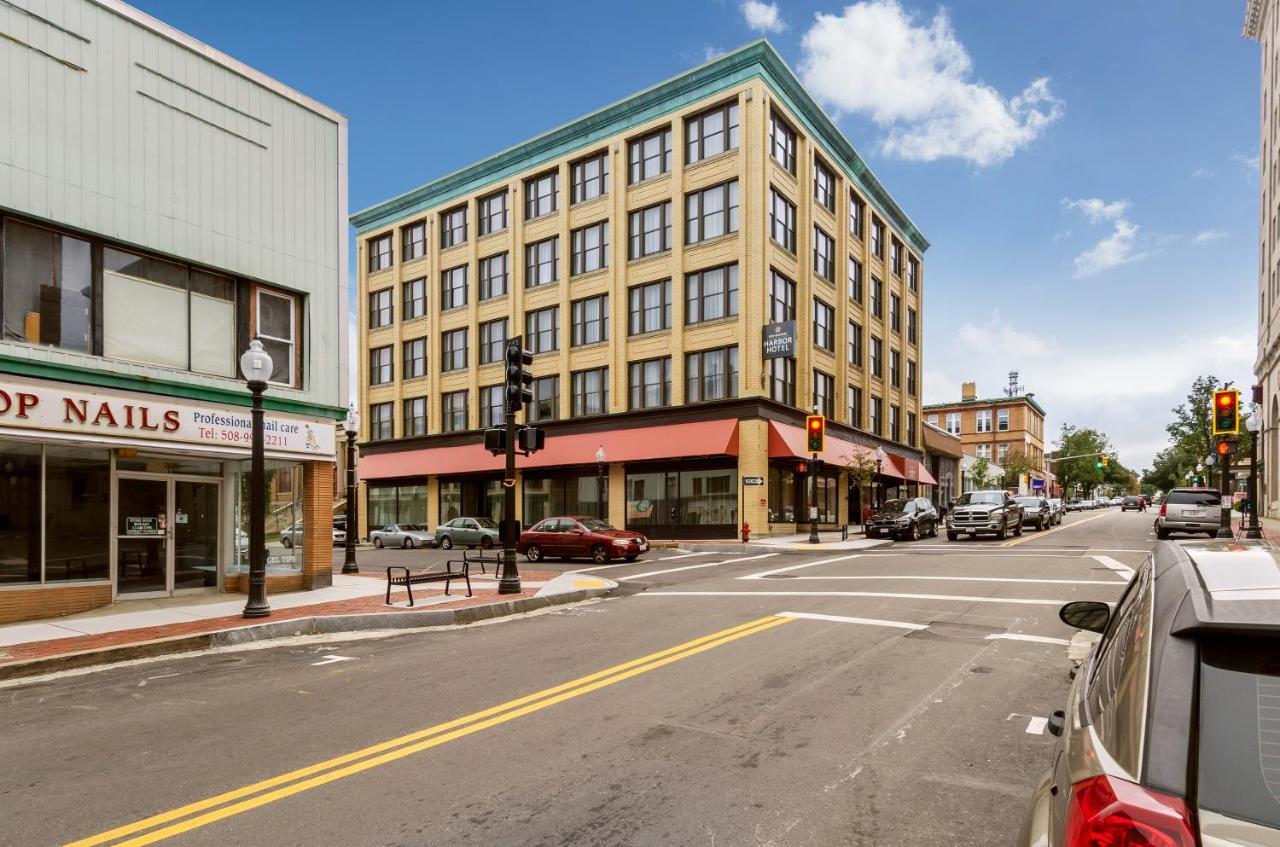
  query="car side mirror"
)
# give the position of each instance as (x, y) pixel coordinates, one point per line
(1088, 615)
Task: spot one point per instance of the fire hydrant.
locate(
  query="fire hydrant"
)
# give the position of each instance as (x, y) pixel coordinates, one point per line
(746, 532)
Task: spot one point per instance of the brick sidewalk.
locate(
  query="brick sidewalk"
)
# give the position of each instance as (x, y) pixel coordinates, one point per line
(359, 605)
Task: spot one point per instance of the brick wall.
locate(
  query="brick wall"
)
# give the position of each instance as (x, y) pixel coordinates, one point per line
(25, 604)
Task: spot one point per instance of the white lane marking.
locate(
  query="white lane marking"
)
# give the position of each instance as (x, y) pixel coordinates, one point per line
(1123, 570)
(814, 616)
(683, 556)
(1036, 726)
(614, 565)
(1009, 600)
(789, 568)
(1038, 639)
(898, 576)
(330, 659)
(692, 567)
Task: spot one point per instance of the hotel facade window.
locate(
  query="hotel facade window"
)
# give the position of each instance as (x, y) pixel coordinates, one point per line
(380, 424)
(711, 213)
(877, 237)
(895, 368)
(380, 257)
(649, 231)
(590, 392)
(414, 244)
(824, 390)
(380, 311)
(649, 156)
(414, 358)
(877, 297)
(415, 299)
(546, 399)
(650, 383)
(542, 262)
(493, 340)
(494, 276)
(895, 256)
(541, 195)
(895, 426)
(711, 374)
(877, 357)
(453, 411)
(876, 419)
(453, 288)
(855, 280)
(911, 325)
(782, 380)
(911, 429)
(542, 330)
(590, 318)
(895, 313)
(824, 325)
(855, 344)
(381, 365)
(492, 406)
(782, 143)
(649, 307)
(824, 255)
(911, 378)
(857, 211)
(983, 451)
(824, 186)
(782, 220)
(711, 295)
(589, 178)
(913, 273)
(711, 133)
(590, 248)
(453, 227)
(782, 298)
(493, 213)
(855, 407)
(453, 350)
(414, 420)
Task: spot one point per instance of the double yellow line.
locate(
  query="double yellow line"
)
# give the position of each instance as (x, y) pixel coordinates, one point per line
(204, 812)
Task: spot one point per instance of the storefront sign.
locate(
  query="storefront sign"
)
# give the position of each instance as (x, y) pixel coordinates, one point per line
(753, 480)
(116, 416)
(144, 526)
(780, 340)
(1037, 484)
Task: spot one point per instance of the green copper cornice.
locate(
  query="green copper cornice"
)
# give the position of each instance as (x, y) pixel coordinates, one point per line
(757, 60)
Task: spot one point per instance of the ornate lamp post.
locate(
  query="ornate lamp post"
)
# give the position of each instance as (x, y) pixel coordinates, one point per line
(1254, 424)
(1199, 468)
(352, 425)
(600, 460)
(880, 457)
(255, 365)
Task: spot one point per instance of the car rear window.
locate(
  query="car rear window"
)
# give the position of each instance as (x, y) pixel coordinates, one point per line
(1240, 729)
(1194, 498)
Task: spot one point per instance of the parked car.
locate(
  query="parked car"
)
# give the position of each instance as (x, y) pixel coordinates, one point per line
(1075, 505)
(1036, 512)
(408, 535)
(984, 512)
(468, 532)
(1167, 736)
(1059, 509)
(1131, 502)
(570, 537)
(900, 518)
(292, 534)
(1189, 510)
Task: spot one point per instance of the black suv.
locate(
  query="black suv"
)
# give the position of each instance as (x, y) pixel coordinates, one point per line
(1171, 734)
(909, 519)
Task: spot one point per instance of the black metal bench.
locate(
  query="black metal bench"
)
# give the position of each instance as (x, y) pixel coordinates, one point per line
(481, 559)
(409, 579)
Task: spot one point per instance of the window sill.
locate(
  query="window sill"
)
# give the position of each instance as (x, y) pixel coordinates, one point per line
(649, 257)
(453, 310)
(587, 275)
(650, 334)
(789, 251)
(452, 248)
(412, 379)
(710, 242)
(492, 236)
(413, 320)
(728, 319)
(545, 216)
(552, 284)
(591, 345)
(710, 160)
(599, 199)
(650, 180)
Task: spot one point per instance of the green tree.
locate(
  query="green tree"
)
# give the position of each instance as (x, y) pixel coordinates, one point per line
(1015, 465)
(1191, 429)
(980, 474)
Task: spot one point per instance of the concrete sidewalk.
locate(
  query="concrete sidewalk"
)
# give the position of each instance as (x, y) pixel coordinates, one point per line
(140, 628)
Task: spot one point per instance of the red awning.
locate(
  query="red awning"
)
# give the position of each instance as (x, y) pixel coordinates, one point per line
(789, 442)
(913, 471)
(670, 441)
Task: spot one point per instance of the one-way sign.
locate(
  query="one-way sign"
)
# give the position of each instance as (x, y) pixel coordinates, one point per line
(753, 480)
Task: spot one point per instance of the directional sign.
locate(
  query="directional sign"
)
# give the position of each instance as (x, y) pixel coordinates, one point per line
(753, 480)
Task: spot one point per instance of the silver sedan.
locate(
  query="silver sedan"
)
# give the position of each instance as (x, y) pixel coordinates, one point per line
(402, 535)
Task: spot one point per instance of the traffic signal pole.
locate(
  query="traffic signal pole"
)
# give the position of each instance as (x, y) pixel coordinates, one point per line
(1224, 522)
(509, 582)
(813, 500)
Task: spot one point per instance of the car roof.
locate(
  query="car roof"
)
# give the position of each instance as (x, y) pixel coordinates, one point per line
(1231, 586)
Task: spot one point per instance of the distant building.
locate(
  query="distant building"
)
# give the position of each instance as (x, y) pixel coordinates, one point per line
(942, 454)
(998, 429)
(967, 483)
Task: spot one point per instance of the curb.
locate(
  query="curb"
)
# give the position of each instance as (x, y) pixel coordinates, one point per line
(319, 625)
(730, 548)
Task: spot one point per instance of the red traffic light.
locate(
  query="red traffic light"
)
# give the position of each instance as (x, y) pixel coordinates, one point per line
(816, 429)
(1226, 411)
(802, 467)
(1224, 399)
(1224, 447)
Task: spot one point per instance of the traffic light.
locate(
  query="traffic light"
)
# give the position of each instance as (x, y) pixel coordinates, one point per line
(815, 427)
(1106, 460)
(1226, 412)
(1224, 447)
(1097, 463)
(519, 389)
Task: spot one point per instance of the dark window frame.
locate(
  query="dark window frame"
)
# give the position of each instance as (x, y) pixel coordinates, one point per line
(824, 325)
(580, 322)
(579, 251)
(486, 213)
(381, 252)
(639, 389)
(696, 297)
(637, 160)
(539, 202)
(638, 311)
(695, 142)
(788, 222)
(450, 290)
(453, 355)
(381, 309)
(453, 227)
(696, 216)
(411, 248)
(533, 262)
(487, 278)
(379, 368)
(579, 181)
(533, 335)
(413, 304)
(409, 353)
(697, 383)
(638, 231)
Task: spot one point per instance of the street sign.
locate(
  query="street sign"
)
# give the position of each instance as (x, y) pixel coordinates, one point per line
(780, 340)
(1037, 484)
(753, 480)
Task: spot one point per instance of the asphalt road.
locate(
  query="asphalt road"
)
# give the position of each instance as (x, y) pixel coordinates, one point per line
(884, 697)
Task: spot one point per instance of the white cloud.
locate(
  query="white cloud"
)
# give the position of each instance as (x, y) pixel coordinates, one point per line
(1119, 248)
(1202, 173)
(913, 79)
(1250, 162)
(763, 17)
(998, 335)
(1207, 235)
(709, 53)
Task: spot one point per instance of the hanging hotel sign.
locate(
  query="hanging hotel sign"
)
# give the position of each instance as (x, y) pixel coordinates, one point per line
(780, 340)
(116, 417)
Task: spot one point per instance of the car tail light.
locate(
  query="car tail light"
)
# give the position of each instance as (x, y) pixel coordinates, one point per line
(1108, 812)
(1164, 508)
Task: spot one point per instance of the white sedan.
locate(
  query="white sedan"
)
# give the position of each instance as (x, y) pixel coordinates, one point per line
(408, 535)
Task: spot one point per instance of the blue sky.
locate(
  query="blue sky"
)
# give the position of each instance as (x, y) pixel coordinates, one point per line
(1086, 171)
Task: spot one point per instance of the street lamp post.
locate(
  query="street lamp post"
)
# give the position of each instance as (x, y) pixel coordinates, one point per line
(353, 428)
(600, 461)
(1254, 425)
(255, 364)
(1199, 469)
(880, 457)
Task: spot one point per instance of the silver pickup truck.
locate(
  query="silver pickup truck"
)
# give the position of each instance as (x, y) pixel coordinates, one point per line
(984, 512)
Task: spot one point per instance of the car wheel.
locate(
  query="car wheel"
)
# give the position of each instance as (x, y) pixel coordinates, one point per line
(1003, 532)
(408, 542)
(915, 532)
(533, 553)
(287, 542)
(871, 533)
(599, 554)
(952, 536)
(446, 542)
(1040, 525)
(377, 542)
(486, 543)
(1213, 533)
(631, 557)
(1017, 530)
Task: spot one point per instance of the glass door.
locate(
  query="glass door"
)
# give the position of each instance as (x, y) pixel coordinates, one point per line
(195, 535)
(142, 537)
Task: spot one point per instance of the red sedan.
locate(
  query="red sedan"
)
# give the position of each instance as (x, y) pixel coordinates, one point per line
(580, 536)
